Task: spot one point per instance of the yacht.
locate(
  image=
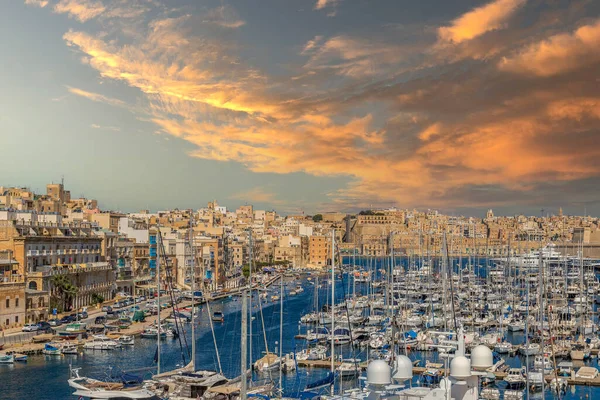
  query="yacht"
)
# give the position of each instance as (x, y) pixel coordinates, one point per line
(95, 389)
(531, 260)
(126, 340)
(101, 342)
(515, 378)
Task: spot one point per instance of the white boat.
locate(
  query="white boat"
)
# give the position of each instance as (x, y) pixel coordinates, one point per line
(288, 363)
(95, 389)
(101, 342)
(267, 363)
(530, 349)
(515, 378)
(126, 340)
(7, 358)
(318, 352)
(348, 369)
(69, 348)
(503, 347)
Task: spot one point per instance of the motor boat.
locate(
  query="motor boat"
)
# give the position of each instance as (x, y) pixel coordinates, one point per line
(530, 349)
(52, 349)
(95, 389)
(348, 369)
(126, 340)
(515, 378)
(69, 348)
(101, 342)
(268, 362)
(503, 347)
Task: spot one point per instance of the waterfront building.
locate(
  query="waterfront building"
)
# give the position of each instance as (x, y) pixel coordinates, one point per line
(45, 249)
(12, 292)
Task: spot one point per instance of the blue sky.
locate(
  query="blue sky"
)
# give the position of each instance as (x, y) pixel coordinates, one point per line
(305, 105)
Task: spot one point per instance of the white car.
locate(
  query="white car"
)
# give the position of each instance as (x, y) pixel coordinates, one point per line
(30, 328)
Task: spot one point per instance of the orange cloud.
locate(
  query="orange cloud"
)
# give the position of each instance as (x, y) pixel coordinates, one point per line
(558, 54)
(480, 20)
(81, 10)
(96, 97)
(417, 141)
(38, 3)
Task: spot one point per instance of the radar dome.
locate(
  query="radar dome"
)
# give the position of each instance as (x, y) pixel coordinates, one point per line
(481, 357)
(404, 368)
(379, 373)
(460, 367)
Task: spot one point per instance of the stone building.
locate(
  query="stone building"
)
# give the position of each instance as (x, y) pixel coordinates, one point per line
(12, 292)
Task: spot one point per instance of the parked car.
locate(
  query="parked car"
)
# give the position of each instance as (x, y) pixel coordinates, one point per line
(82, 315)
(106, 308)
(55, 322)
(100, 320)
(30, 328)
(44, 326)
(66, 319)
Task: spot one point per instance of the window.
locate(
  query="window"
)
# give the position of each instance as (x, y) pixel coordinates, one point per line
(7, 303)
(17, 302)
(16, 319)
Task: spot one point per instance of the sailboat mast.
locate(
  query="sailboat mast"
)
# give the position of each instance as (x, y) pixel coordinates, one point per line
(250, 259)
(193, 287)
(244, 363)
(332, 300)
(280, 334)
(158, 330)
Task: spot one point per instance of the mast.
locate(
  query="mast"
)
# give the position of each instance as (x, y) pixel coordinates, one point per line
(193, 286)
(250, 259)
(244, 363)
(332, 304)
(158, 330)
(280, 334)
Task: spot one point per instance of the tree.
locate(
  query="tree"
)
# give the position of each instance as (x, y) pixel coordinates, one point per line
(62, 292)
(317, 218)
(97, 299)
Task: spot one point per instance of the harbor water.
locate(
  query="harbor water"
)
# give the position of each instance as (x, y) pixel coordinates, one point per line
(45, 377)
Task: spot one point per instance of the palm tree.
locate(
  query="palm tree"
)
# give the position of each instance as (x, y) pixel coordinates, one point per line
(63, 290)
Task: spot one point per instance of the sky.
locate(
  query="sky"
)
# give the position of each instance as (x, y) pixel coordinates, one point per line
(305, 105)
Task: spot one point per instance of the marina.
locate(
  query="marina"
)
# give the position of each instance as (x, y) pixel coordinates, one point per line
(367, 311)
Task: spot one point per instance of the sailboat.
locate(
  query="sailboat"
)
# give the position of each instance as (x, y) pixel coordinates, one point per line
(329, 380)
(95, 389)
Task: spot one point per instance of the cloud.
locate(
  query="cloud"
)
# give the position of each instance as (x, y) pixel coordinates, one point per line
(402, 124)
(225, 17)
(321, 4)
(350, 56)
(38, 3)
(96, 97)
(257, 195)
(81, 10)
(312, 44)
(108, 128)
(557, 54)
(480, 20)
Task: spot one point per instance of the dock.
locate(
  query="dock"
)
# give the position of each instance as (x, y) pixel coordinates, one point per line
(135, 329)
